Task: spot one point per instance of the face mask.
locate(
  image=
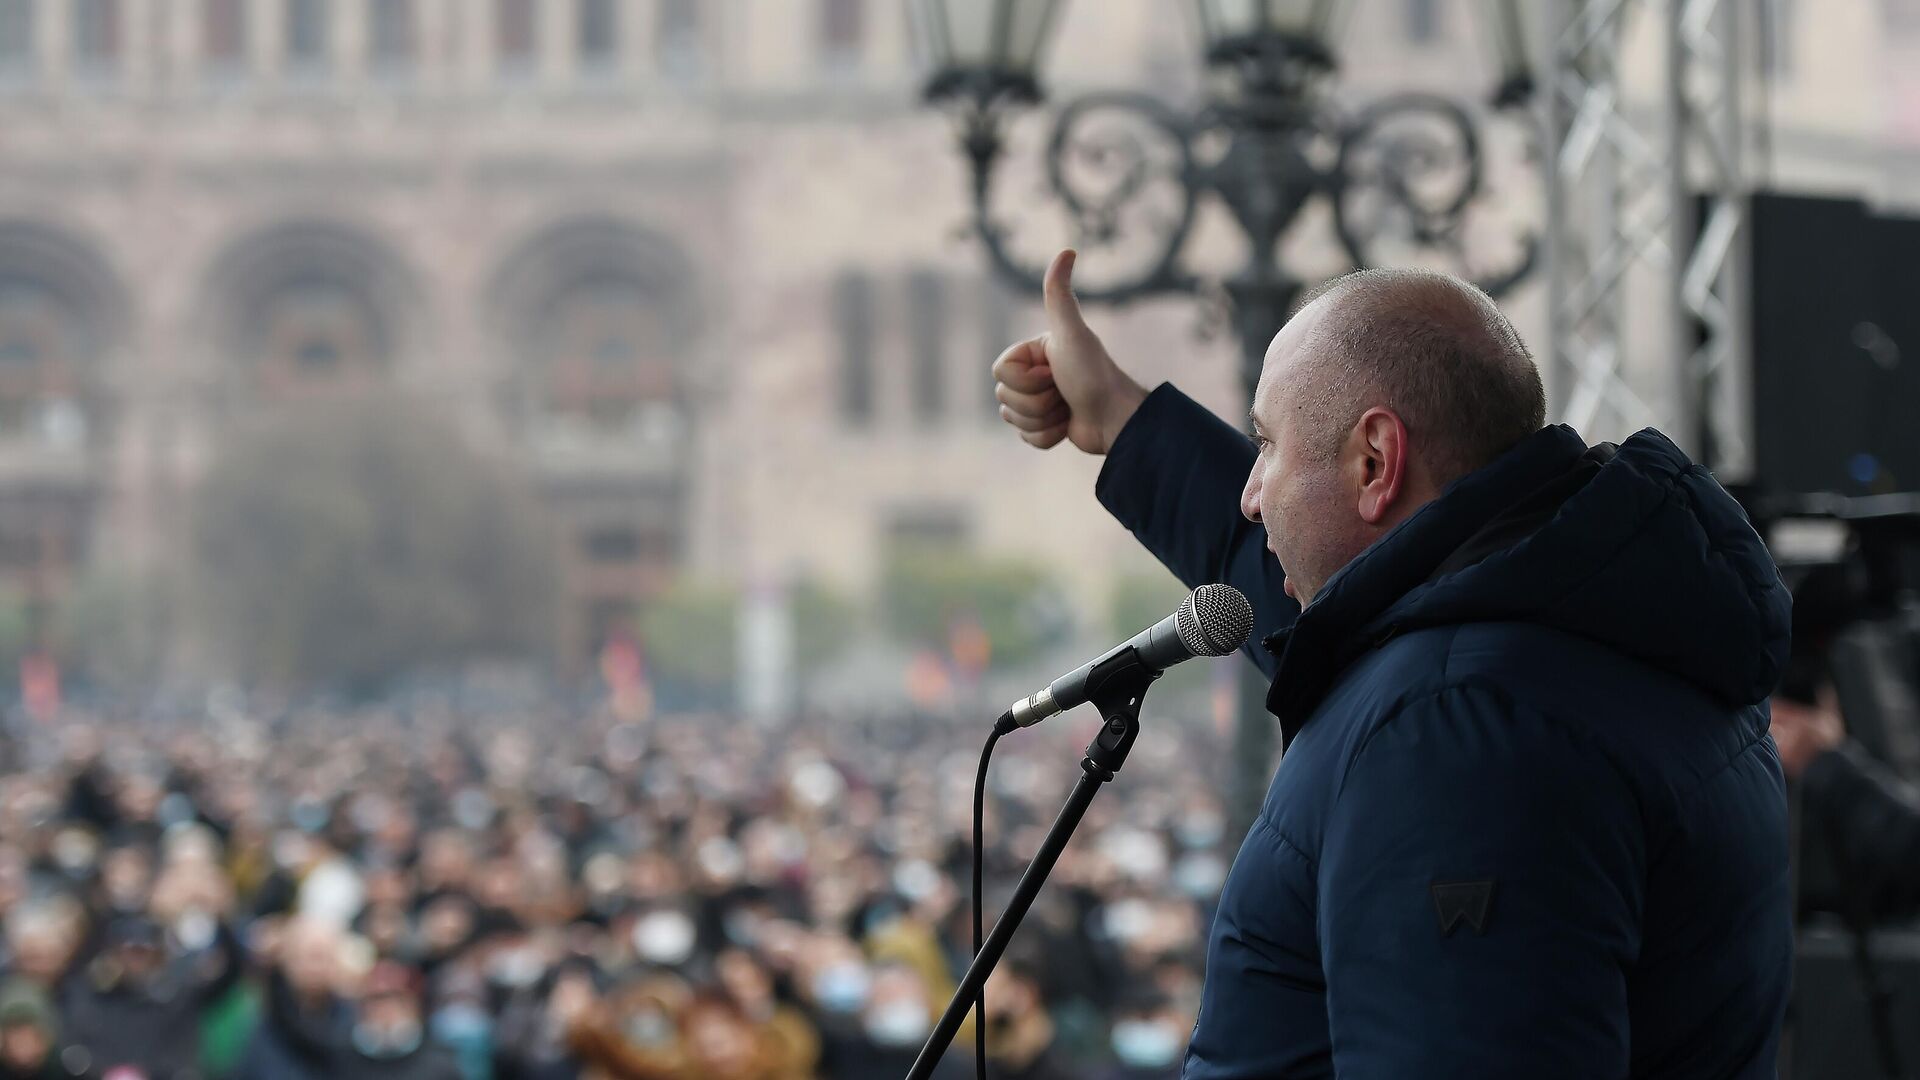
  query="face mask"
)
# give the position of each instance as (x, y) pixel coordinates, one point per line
(721, 859)
(841, 988)
(1199, 875)
(916, 879)
(461, 1022)
(1139, 855)
(1125, 920)
(816, 783)
(898, 1023)
(648, 1027)
(75, 851)
(174, 809)
(516, 968)
(472, 810)
(395, 1042)
(879, 916)
(603, 874)
(1200, 831)
(1143, 1044)
(664, 937)
(309, 817)
(194, 929)
(742, 928)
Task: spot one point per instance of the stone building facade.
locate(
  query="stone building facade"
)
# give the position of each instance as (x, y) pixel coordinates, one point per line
(700, 265)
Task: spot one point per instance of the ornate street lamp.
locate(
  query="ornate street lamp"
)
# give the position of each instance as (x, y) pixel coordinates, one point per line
(1264, 143)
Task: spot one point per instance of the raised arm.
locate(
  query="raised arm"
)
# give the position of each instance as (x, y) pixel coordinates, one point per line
(1174, 470)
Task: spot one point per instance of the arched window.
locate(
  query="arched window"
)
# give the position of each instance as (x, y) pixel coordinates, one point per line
(598, 314)
(309, 307)
(608, 365)
(60, 310)
(316, 337)
(42, 369)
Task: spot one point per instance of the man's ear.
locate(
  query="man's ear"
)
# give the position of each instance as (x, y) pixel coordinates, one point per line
(1381, 441)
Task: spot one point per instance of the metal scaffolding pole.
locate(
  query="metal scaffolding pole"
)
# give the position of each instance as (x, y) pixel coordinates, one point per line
(1647, 294)
(1712, 281)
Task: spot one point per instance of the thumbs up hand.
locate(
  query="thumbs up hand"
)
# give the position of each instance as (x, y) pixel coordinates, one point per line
(1063, 384)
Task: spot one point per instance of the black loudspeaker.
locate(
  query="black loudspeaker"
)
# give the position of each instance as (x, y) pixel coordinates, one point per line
(1836, 347)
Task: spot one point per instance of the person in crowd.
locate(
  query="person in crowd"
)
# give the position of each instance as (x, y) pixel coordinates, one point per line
(388, 1036)
(1021, 1040)
(749, 985)
(137, 1005)
(1865, 816)
(634, 1033)
(723, 1043)
(532, 1037)
(43, 935)
(316, 892)
(1148, 1036)
(461, 1020)
(878, 1031)
(29, 1034)
(305, 1018)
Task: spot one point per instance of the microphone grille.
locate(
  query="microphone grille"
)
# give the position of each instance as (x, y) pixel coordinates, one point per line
(1214, 620)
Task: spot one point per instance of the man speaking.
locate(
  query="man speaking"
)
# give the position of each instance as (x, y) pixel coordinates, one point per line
(1528, 822)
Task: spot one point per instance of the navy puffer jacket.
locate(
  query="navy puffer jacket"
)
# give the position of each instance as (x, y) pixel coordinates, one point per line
(1528, 821)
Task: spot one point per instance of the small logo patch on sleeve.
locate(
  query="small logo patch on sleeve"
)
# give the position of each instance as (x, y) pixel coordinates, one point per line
(1459, 902)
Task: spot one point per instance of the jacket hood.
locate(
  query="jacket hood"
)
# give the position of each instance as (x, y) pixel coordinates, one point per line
(1636, 548)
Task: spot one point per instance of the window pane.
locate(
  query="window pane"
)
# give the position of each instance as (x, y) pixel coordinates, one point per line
(41, 386)
(853, 315)
(919, 528)
(599, 33)
(225, 32)
(306, 31)
(677, 37)
(96, 31)
(16, 32)
(392, 33)
(927, 318)
(513, 32)
(613, 544)
(317, 356)
(1423, 20)
(841, 23)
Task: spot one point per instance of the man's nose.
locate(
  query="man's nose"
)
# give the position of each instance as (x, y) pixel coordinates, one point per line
(1250, 496)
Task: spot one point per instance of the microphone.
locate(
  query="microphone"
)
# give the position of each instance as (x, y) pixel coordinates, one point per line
(1213, 620)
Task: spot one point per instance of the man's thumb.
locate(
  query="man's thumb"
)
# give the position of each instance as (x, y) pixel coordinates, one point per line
(1063, 311)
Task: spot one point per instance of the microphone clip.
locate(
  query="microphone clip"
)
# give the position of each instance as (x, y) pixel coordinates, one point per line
(1116, 687)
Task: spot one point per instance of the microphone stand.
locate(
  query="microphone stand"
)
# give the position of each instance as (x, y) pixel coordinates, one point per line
(1115, 687)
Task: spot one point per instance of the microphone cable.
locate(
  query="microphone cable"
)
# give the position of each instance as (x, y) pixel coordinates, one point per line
(1001, 727)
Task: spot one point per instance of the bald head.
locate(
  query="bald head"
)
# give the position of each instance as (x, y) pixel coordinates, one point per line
(1428, 346)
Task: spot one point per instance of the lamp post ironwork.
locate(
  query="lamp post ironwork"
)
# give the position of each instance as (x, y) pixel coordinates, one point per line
(1264, 144)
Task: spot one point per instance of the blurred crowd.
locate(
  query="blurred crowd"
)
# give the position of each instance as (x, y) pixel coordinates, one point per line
(417, 892)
